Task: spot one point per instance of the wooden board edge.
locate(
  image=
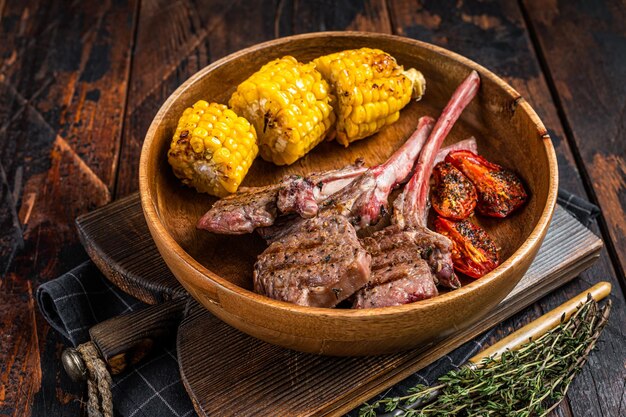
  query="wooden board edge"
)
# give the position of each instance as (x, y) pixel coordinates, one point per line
(120, 275)
(117, 277)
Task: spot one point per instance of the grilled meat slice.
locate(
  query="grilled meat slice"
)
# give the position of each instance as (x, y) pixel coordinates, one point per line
(399, 274)
(320, 264)
(242, 212)
(256, 207)
(409, 283)
(252, 207)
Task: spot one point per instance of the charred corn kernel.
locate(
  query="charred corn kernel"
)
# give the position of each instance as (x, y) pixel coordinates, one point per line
(370, 89)
(212, 148)
(288, 103)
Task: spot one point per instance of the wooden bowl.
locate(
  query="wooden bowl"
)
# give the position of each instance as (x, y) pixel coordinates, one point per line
(217, 270)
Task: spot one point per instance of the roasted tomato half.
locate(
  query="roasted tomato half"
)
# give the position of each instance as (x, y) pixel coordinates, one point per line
(453, 196)
(500, 191)
(474, 253)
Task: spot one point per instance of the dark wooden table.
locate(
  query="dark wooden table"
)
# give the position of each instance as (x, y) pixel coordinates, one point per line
(80, 82)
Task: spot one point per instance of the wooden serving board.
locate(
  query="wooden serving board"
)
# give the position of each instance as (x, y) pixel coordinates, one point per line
(229, 373)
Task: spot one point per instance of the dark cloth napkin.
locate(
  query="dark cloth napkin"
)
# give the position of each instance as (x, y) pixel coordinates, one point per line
(83, 297)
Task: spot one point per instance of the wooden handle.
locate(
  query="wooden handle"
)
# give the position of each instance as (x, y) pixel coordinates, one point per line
(543, 324)
(125, 340)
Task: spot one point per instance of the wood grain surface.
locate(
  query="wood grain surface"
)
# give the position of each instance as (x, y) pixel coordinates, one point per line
(38, 63)
(583, 43)
(124, 252)
(63, 79)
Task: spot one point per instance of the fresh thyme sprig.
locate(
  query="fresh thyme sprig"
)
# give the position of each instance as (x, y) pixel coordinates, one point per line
(529, 381)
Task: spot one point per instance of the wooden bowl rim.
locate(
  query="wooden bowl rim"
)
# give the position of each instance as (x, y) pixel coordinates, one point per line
(206, 279)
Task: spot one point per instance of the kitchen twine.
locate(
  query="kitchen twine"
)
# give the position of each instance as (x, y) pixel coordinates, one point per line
(100, 402)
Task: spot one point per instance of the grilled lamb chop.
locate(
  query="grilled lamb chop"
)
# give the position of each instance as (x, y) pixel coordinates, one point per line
(319, 261)
(252, 207)
(408, 259)
(364, 201)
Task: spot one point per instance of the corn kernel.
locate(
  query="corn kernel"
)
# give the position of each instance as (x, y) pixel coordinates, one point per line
(200, 132)
(229, 114)
(201, 104)
(212, 143)
(358, 115)
(197, 144)
(393, 117)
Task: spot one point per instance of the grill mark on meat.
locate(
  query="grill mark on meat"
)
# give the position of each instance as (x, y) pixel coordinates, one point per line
(406, 284)
(310, 253)
(303, 274)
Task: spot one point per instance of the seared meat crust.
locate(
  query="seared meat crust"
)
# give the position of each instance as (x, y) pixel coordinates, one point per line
(319, 263)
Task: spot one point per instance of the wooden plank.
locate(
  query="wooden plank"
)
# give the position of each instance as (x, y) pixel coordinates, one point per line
(63, 81)
(295, 17)
(583, 45)
(494, 34)
(20, 355)
(174, 41)
(211, 352)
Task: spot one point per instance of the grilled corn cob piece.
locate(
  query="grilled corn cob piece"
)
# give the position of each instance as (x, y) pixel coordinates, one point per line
(212, 148)
(371, 89)
(289, 105)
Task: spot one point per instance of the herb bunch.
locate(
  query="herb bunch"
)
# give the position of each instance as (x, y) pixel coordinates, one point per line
(530, 381)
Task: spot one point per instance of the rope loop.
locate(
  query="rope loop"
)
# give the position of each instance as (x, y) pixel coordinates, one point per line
(100, 403)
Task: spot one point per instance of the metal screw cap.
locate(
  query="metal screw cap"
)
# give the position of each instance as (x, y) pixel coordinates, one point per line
(74, 365)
